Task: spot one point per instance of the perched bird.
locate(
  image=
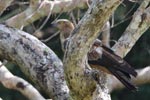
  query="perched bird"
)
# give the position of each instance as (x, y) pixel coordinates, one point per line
(65, 27)
(101, 57)
(106, 60)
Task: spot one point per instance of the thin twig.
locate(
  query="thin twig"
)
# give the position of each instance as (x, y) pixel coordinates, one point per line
(51, 7)
(78, 15)
(49, 38)
(73, 18)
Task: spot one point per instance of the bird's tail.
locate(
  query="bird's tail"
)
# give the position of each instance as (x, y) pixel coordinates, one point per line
(122, 72)
(124, 77)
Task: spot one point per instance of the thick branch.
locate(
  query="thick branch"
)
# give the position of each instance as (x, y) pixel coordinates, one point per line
(13, 82)
(41, 9)
(86, 33)
(91, 24)
(139, 24)
(35, 59)
(142, 78)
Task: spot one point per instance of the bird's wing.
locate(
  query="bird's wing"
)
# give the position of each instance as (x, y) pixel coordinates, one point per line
(116, 66)
(124, 78)
(119, 62)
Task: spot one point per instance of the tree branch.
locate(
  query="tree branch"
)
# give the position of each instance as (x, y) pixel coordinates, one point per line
(35, 59)
(39, 62)
(38, 9)
(13, 82)
(142, 78)
(75, 57)
(35, 2)
(139, 24)
(4, 4)
(106, 34)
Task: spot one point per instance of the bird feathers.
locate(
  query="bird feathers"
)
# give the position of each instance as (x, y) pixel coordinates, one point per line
(116, 65)
(100, 56)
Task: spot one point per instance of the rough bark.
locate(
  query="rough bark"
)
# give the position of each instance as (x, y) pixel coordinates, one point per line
(43, 66)
(139, 24)
(75, 57)
(35, 59)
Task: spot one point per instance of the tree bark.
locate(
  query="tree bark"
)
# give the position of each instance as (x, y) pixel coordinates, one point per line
(14, 82)
(75, 56)
(35, 59)
(44, 67)
(139, 24)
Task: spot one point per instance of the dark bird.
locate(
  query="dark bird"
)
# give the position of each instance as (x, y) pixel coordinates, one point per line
(101, 57)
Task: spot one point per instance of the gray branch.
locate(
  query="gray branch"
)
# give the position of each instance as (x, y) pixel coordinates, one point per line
(13, 82)
(139, 24)
(35, 59)
(142, 78)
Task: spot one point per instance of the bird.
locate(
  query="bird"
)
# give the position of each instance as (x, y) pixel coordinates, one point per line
(100, 57)
(66, 27)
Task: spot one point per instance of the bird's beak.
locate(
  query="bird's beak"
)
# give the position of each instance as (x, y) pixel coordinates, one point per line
(54, 24)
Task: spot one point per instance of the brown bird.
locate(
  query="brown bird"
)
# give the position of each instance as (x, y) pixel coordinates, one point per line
(100, 56)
